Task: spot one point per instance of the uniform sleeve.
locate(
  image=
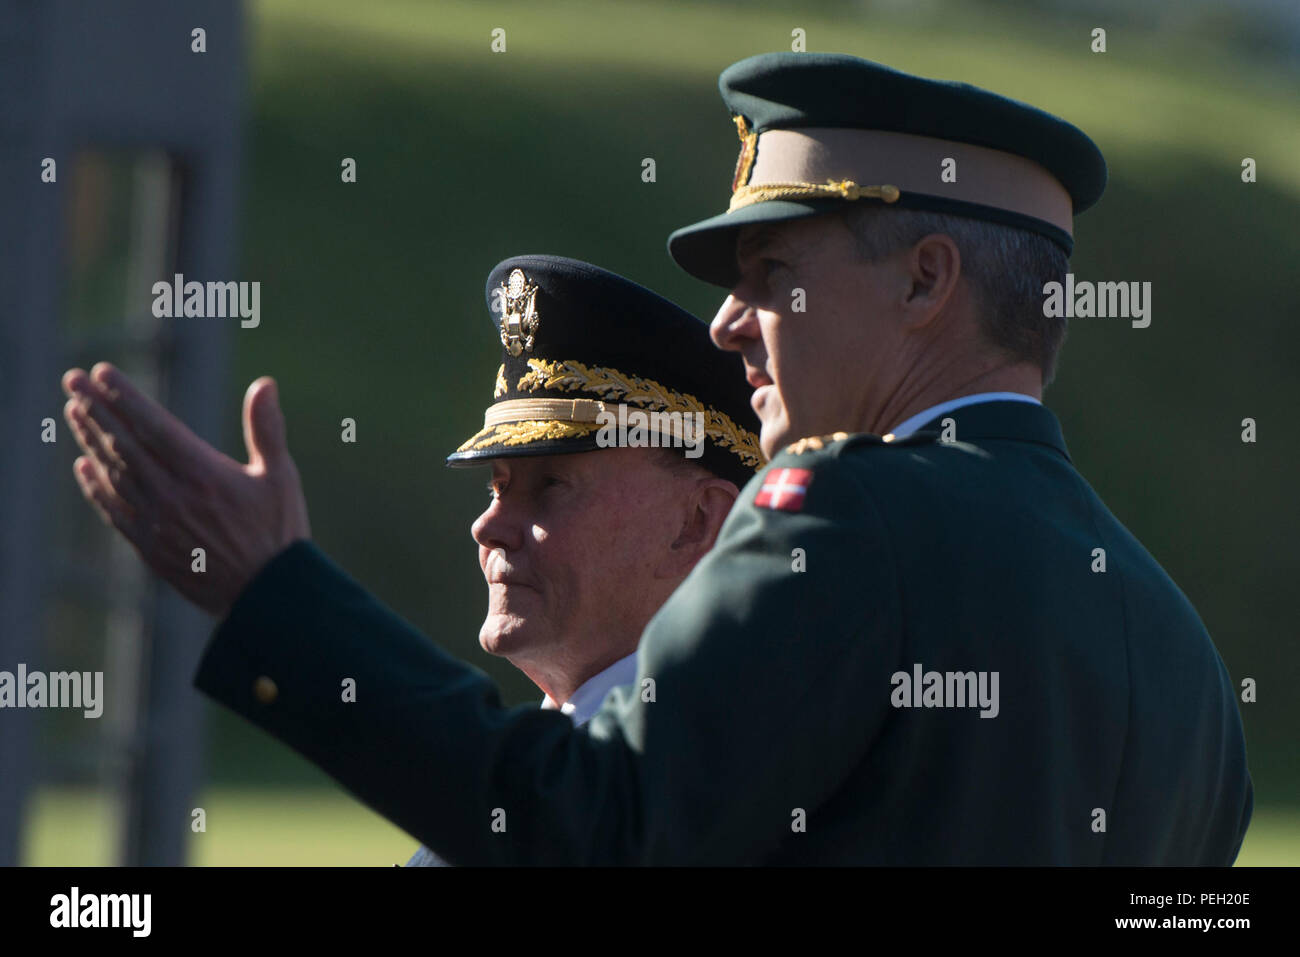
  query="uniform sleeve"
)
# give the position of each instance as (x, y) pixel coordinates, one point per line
(761, 683)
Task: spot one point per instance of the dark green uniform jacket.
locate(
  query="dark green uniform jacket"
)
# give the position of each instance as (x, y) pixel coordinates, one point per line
(897, 653)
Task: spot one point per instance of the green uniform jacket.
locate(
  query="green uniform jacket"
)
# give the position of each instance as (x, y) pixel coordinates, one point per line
(768, 724)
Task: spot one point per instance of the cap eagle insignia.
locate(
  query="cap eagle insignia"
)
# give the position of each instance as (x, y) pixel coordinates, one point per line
(519, 319)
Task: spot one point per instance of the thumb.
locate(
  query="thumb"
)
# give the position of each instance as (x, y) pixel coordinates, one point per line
(264, 426)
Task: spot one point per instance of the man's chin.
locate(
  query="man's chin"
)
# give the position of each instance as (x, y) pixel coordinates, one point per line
(774, 436)
(505, 635)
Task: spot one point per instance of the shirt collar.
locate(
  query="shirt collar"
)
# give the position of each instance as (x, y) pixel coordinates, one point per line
(586, 701)
(921, 418)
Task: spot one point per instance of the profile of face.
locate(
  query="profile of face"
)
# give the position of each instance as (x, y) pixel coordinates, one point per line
(824, 334)
(580, 550)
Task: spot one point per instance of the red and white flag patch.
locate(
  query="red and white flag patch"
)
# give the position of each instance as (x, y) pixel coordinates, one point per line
(784, 489)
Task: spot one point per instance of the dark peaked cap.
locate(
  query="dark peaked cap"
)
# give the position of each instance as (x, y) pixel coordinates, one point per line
(820, 129)
(577, 340)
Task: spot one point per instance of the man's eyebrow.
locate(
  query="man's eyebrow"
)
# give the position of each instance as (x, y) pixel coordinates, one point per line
(750, 246)
(755, 242)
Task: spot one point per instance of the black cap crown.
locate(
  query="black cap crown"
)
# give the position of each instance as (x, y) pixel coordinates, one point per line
(581, 346)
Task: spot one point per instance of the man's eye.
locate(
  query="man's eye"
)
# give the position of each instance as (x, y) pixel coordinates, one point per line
(765, 268)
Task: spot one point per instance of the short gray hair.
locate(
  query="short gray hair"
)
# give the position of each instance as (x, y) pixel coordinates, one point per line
(1006, 267)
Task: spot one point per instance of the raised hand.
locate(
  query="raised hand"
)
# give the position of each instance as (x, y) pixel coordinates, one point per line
(169, 492)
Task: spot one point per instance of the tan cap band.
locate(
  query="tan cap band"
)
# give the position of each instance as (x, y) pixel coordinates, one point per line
(913, 164)
(561, 410)
(677, 424)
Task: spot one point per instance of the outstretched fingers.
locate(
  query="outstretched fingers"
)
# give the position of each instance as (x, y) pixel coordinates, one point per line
(155, 429)
(99, 492)
(128, 470)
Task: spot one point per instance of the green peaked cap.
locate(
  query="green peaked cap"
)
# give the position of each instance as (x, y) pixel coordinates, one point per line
(822, 129)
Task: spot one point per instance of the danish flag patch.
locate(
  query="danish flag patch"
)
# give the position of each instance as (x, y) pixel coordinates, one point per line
(784, 489)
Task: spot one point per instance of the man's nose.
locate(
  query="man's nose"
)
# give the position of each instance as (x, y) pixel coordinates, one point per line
(735, 321)
(497, 528)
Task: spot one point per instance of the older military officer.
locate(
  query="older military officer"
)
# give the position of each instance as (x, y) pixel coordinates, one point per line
(582, 540)
(897, 652)
(570, 523)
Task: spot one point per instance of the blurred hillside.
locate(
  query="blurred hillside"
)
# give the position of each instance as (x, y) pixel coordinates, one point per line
(373, 293)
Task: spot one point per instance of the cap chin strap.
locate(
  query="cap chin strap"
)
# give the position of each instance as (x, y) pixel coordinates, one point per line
(845, 189)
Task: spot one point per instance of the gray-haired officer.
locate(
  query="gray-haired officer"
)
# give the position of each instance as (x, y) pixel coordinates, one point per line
(585, 535)
(617, 439)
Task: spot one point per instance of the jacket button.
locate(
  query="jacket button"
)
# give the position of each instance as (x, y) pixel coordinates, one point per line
(264, 690)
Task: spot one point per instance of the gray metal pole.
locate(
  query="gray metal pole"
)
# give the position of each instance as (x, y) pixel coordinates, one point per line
(124, 77)
(28, 380)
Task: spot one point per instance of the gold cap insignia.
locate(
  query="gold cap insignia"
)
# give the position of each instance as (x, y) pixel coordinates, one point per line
(519, 319)
(748, 152)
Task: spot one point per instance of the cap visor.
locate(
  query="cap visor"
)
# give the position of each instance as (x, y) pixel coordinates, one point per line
(707, 249)
(577, 443)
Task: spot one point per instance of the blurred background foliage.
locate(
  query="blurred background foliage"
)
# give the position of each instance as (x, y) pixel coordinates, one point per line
(372, 297)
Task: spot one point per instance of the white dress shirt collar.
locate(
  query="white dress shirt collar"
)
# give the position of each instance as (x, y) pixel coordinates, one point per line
(586, 701)
(921, 418)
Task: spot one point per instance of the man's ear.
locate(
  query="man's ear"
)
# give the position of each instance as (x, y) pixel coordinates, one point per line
(934, 266)
(707, 504)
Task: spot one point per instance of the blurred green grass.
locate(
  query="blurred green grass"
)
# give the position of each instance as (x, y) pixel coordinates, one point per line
(245, 826)
(314, 827)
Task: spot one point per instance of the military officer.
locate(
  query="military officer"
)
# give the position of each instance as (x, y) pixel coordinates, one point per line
(901, 649)
(573, 517)
(559, 498)
(919, 222)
